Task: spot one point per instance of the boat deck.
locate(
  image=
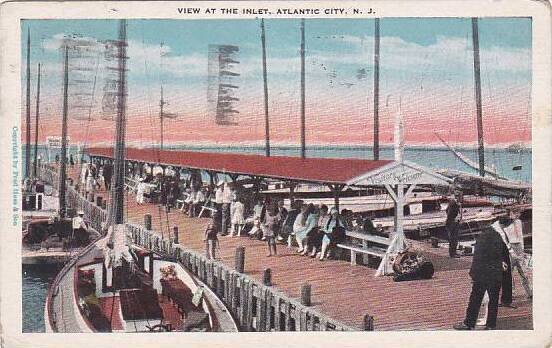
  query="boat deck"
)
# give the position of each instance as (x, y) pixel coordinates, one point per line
(43, 256)
(346, 292)
(112, 304)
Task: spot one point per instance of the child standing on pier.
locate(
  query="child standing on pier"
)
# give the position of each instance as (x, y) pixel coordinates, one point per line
(270, 223)
(211, 240)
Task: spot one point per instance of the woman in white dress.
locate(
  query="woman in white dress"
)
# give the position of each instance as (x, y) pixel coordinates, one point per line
(140, 190)
(236, 216)
(299, 225)
(84, 175)
(90, 184)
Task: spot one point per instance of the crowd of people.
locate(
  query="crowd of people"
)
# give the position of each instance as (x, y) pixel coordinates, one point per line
(236, 211)
(314, 229)
(94, 176)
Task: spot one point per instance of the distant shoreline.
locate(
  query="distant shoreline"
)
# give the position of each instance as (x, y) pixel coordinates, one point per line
(521, 148)
(337, 147)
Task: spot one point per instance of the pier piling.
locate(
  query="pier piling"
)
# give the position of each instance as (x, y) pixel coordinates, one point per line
(368, 323)
(267, 277)
(150, 265)
(147, 221)
(306, 294)
(175, 233)
(240, 259)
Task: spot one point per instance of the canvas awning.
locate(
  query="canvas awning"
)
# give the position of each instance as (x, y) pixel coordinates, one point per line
(398, 177)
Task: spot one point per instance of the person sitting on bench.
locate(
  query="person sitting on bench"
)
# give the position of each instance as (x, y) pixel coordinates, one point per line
(258, 211)
(334, 233)
(198, 199)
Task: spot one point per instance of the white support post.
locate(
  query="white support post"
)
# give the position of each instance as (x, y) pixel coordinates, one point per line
(397, 238)
(391, 192)
(409, 191)
(399, 212)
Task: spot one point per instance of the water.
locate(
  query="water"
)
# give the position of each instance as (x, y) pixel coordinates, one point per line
(36, 280)
(436, 158)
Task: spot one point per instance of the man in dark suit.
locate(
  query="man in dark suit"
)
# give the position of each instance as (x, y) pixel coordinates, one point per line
(486, 273)
(454, 216)
(107, 174)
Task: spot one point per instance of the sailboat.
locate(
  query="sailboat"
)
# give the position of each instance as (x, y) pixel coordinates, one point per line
(491, 171)
(113, 285)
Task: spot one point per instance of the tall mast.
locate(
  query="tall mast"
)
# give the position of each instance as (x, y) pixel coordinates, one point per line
(36, 122)
(302, 88)
(376, 87)
(477, 79)
(117, 191)
(63, 160)
(28, 115)
(161, 104)
(265, 83)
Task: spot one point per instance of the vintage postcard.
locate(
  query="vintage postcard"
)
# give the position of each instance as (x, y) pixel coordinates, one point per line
(275, 173)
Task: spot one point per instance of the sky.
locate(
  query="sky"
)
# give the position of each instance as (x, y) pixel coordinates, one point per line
(426, 74)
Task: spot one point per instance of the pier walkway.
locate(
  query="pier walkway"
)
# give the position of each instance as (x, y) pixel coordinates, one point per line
(346, 292)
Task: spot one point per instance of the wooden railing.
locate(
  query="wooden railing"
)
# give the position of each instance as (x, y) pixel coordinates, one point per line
(255, 306)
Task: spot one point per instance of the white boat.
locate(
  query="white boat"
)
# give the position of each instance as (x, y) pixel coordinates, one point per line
(80, 300)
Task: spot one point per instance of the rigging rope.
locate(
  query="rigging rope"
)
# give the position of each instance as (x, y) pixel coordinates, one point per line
(87, 133)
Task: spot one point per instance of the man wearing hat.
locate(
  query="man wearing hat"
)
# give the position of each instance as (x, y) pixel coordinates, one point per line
(510, 230)
(227, 194)
(454, 216)
(486, 273)
(218, 203)
(80, 228)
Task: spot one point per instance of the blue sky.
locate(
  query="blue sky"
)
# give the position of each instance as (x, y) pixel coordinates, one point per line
(427, 61)
(185, 37)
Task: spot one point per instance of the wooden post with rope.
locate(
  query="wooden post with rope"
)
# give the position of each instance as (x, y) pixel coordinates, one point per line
(239, 259)
(175, 234)
(306, 294)
(147, 222)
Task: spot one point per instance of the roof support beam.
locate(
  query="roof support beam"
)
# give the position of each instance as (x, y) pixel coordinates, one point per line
(391, 192)
(336, 189)
(291, 186)
(410, 189)
(212, 176)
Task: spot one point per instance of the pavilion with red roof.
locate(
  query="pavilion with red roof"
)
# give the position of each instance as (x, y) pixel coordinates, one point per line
(399, 177)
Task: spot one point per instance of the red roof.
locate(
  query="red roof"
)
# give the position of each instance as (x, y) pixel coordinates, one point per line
(320, 170)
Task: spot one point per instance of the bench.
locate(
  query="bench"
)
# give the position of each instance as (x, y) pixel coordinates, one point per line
(131, 184)
(374, 251)
(211, 209)
(366, 244)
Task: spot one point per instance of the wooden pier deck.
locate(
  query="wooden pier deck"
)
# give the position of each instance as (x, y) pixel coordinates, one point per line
(346, 292)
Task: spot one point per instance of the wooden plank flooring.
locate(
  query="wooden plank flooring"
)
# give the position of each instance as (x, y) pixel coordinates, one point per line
(346, 292)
